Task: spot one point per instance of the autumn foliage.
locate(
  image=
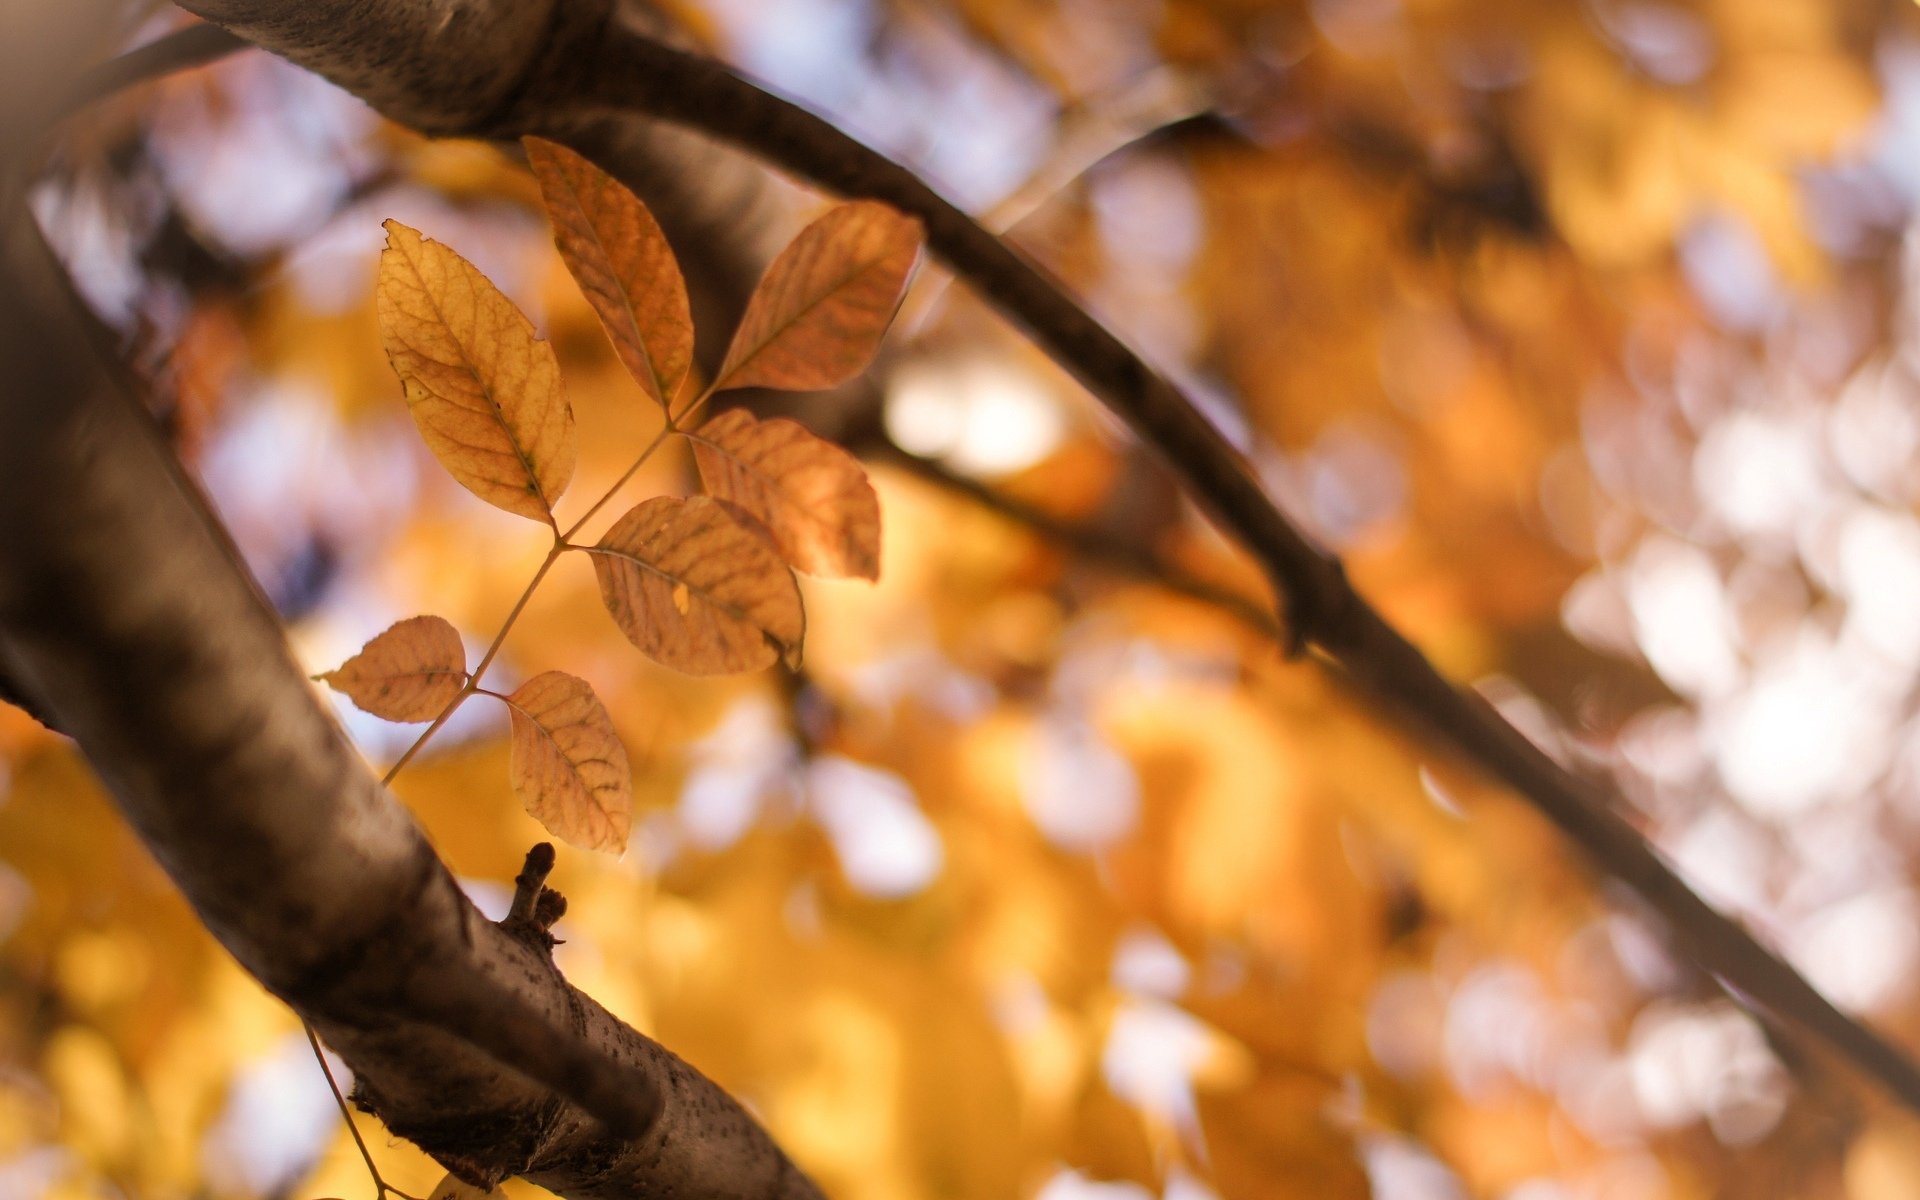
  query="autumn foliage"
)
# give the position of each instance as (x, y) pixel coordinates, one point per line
(930, 774)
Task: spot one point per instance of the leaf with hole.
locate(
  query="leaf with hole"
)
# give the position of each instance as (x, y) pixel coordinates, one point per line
(617, 254)
(484, 391)
(408, 673)
(816, 317)
(812, 497)
(567, 764)
(696, 590)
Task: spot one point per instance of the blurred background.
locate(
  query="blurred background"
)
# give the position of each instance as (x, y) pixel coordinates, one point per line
(1584, 332)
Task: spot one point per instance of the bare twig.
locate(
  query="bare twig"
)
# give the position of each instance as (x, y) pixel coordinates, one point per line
(627, 71)
(181, 50)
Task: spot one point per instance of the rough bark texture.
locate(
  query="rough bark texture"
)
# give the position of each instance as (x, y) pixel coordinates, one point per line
(614, 68)
(123, 613)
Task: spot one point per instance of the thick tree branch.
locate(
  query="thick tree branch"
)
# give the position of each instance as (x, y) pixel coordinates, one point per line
(630, 72)
(121, 611)
(611, 68)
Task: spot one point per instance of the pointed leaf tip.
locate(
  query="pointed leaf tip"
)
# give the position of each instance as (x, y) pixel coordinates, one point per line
(408, 673)
(482, 388)
(567, 764)
(617, 254)
(816, 317)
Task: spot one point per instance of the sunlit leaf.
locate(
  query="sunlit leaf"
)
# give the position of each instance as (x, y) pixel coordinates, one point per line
(812, 496)
(568, 765)
(695, 589)
(452, 1187)
(483, 389)
(409, 673)
(817, 315)
(616, 252)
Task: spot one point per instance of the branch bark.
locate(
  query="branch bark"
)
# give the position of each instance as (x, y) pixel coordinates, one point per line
(598, 67)
(122, 611)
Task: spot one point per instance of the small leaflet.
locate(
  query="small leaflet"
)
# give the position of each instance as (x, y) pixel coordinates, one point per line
(484, 391)
(696, 590)
(623, 264)
(409, 673)
(567, 765)
(816, 317)
(812, 497)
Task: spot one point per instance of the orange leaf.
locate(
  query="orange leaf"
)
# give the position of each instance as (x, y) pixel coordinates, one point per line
(812, 496)
(622, 262)
(696, 590)
(817, 315)
(567, 764)
(483, 389)
(409, 673)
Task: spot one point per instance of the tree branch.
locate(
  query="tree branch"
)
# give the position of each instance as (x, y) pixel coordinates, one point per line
(626, 71)
(563, 67)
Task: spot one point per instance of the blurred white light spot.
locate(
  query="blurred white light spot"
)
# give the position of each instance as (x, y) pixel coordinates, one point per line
(1665, 41)
(1151, 1054)
(278, 1118)
(1072, 1185)
(1497, 1029)
(1401, 1169)
(1147, 964)
(981, 416)
(1808, 728)
(887, 847)
(1354, 482)
(1862, 951)
(1182, 1186)
(1405, 1023)
(1880, 574)
(1724, 858)
(1081, 792)
(1730, 271)
(1709, 1062)
(1875, 430)
(1148, 213)
(96, 242)
(36, 1172)
(1679, 608)
(731, 770)
(491, 898)
(1760, 473)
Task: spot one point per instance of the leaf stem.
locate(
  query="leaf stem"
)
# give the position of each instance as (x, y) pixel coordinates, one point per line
(382, 1188)
(562, 542)
(486, 660)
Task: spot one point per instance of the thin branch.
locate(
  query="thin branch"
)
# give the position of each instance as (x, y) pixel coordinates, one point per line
(1126, 557)
(182, 50)
(627, 71)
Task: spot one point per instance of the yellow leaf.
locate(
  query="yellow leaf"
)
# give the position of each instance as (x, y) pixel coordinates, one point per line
(568, 765)
(696, 590)
(408, 673)
(483, 389)
(452, 1187)
(626, 270)
(816, 317)
(812, 496)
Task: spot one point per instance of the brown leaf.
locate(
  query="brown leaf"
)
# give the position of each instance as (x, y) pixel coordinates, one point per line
(483, 389)
(817, 315)
(409, 673)
(812, 496)
(626, 270)
(568, 765)
(696, 590)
